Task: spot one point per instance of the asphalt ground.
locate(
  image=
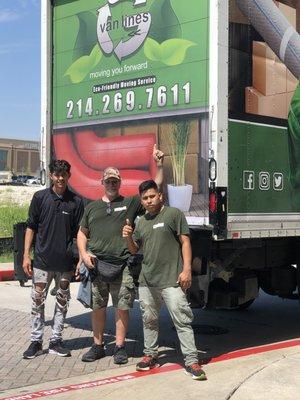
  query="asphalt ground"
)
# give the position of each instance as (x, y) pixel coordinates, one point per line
(246, 354)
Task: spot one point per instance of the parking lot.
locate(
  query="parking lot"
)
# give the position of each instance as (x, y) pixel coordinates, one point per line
(244, 353)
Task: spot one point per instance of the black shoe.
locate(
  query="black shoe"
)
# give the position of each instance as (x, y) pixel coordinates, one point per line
(120, 355)
(95, 353)
(58, 349)
(34, 349)
(147, 363)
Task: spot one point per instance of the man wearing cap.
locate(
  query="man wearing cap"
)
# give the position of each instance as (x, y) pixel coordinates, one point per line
(102, 224)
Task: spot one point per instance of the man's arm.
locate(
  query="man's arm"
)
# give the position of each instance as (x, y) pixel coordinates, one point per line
(158, 156)
(32, 227)
(27, 267)
(185, 277)
(85, 257)
(127, 234)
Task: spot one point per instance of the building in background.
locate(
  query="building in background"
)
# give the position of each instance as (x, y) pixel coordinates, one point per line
(20, 156)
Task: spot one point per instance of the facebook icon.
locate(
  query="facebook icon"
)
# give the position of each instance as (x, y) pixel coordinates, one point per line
(248, 180)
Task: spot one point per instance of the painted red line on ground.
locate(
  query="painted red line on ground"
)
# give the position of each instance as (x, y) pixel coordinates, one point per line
(7, 275)
(93, 384)
(256, 350)
(135, 375)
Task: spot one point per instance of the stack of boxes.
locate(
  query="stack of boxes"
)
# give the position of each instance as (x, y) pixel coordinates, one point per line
(273, 84)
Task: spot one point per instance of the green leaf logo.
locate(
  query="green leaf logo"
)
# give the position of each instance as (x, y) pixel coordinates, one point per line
(83, 65)
(87, 35)
(152, 50)
(170, 52)
(165, 24)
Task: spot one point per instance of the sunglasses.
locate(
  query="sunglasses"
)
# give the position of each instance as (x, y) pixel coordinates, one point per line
(111, 182)
(108, 208)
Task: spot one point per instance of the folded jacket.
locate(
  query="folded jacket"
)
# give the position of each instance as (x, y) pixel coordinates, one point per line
(84, 294)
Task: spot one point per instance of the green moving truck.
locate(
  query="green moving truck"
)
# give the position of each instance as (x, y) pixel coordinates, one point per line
(212, 84)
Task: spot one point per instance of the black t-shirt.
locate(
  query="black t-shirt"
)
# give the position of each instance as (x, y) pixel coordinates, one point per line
(55, 220)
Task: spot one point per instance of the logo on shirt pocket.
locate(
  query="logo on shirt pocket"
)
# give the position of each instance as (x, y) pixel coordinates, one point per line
(120, 208)
(159, 225)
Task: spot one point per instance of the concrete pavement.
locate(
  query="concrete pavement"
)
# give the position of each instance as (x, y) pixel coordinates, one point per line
(243, 376)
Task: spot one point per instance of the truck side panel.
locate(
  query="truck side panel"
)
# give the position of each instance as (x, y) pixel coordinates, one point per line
(263, 199)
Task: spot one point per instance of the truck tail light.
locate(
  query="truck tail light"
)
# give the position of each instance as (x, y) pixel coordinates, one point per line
(212, 202)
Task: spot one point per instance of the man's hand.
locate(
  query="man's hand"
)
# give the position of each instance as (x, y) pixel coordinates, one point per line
(127, 229)
(27, 267)
(88, 260)
(158, 155)
(77, 276)
(185, 280)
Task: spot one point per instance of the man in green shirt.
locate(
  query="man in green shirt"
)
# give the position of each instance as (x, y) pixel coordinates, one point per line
(163, 235)
(102, 224)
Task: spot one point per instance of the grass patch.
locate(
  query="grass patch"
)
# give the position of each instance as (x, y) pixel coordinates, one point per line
(11, 214)
(6, 257)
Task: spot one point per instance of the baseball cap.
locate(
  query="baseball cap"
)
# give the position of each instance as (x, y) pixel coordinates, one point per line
(111, 172)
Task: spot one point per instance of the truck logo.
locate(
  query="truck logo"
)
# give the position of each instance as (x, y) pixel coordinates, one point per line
(264, 180)
(248, 180)
(278, 181)
(141, 22)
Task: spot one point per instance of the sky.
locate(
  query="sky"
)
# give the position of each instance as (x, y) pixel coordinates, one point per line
(20, 69)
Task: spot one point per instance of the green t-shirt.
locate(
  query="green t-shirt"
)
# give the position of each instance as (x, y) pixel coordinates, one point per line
(105, 230)
(158, 237)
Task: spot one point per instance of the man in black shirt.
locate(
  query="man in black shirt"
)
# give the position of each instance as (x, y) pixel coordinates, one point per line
(54, 216)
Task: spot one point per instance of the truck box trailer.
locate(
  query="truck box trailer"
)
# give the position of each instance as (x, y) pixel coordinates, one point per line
(215, 85)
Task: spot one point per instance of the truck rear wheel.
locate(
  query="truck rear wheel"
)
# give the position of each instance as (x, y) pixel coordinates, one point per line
(245, 305)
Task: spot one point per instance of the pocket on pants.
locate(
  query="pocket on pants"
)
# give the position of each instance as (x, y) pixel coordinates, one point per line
(185, 311)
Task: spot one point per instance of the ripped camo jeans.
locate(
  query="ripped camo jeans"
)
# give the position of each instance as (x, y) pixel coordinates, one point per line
(41, 281)
(182, 316)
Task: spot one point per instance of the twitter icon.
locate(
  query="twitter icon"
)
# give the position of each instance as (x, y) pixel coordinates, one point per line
(278, 181)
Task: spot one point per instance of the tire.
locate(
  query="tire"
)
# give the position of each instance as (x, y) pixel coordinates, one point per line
(246, 305)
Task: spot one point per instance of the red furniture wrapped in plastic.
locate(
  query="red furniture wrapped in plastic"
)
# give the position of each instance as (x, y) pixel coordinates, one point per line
(89, 155)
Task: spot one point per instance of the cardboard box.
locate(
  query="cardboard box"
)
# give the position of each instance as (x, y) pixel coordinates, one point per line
(165, 130)
(288, 12)
(291, 82)
(235, 15)
(138, 129)
(191, 172)
(268, 73)
(289, 97)
(108, 132)
(272, 106)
